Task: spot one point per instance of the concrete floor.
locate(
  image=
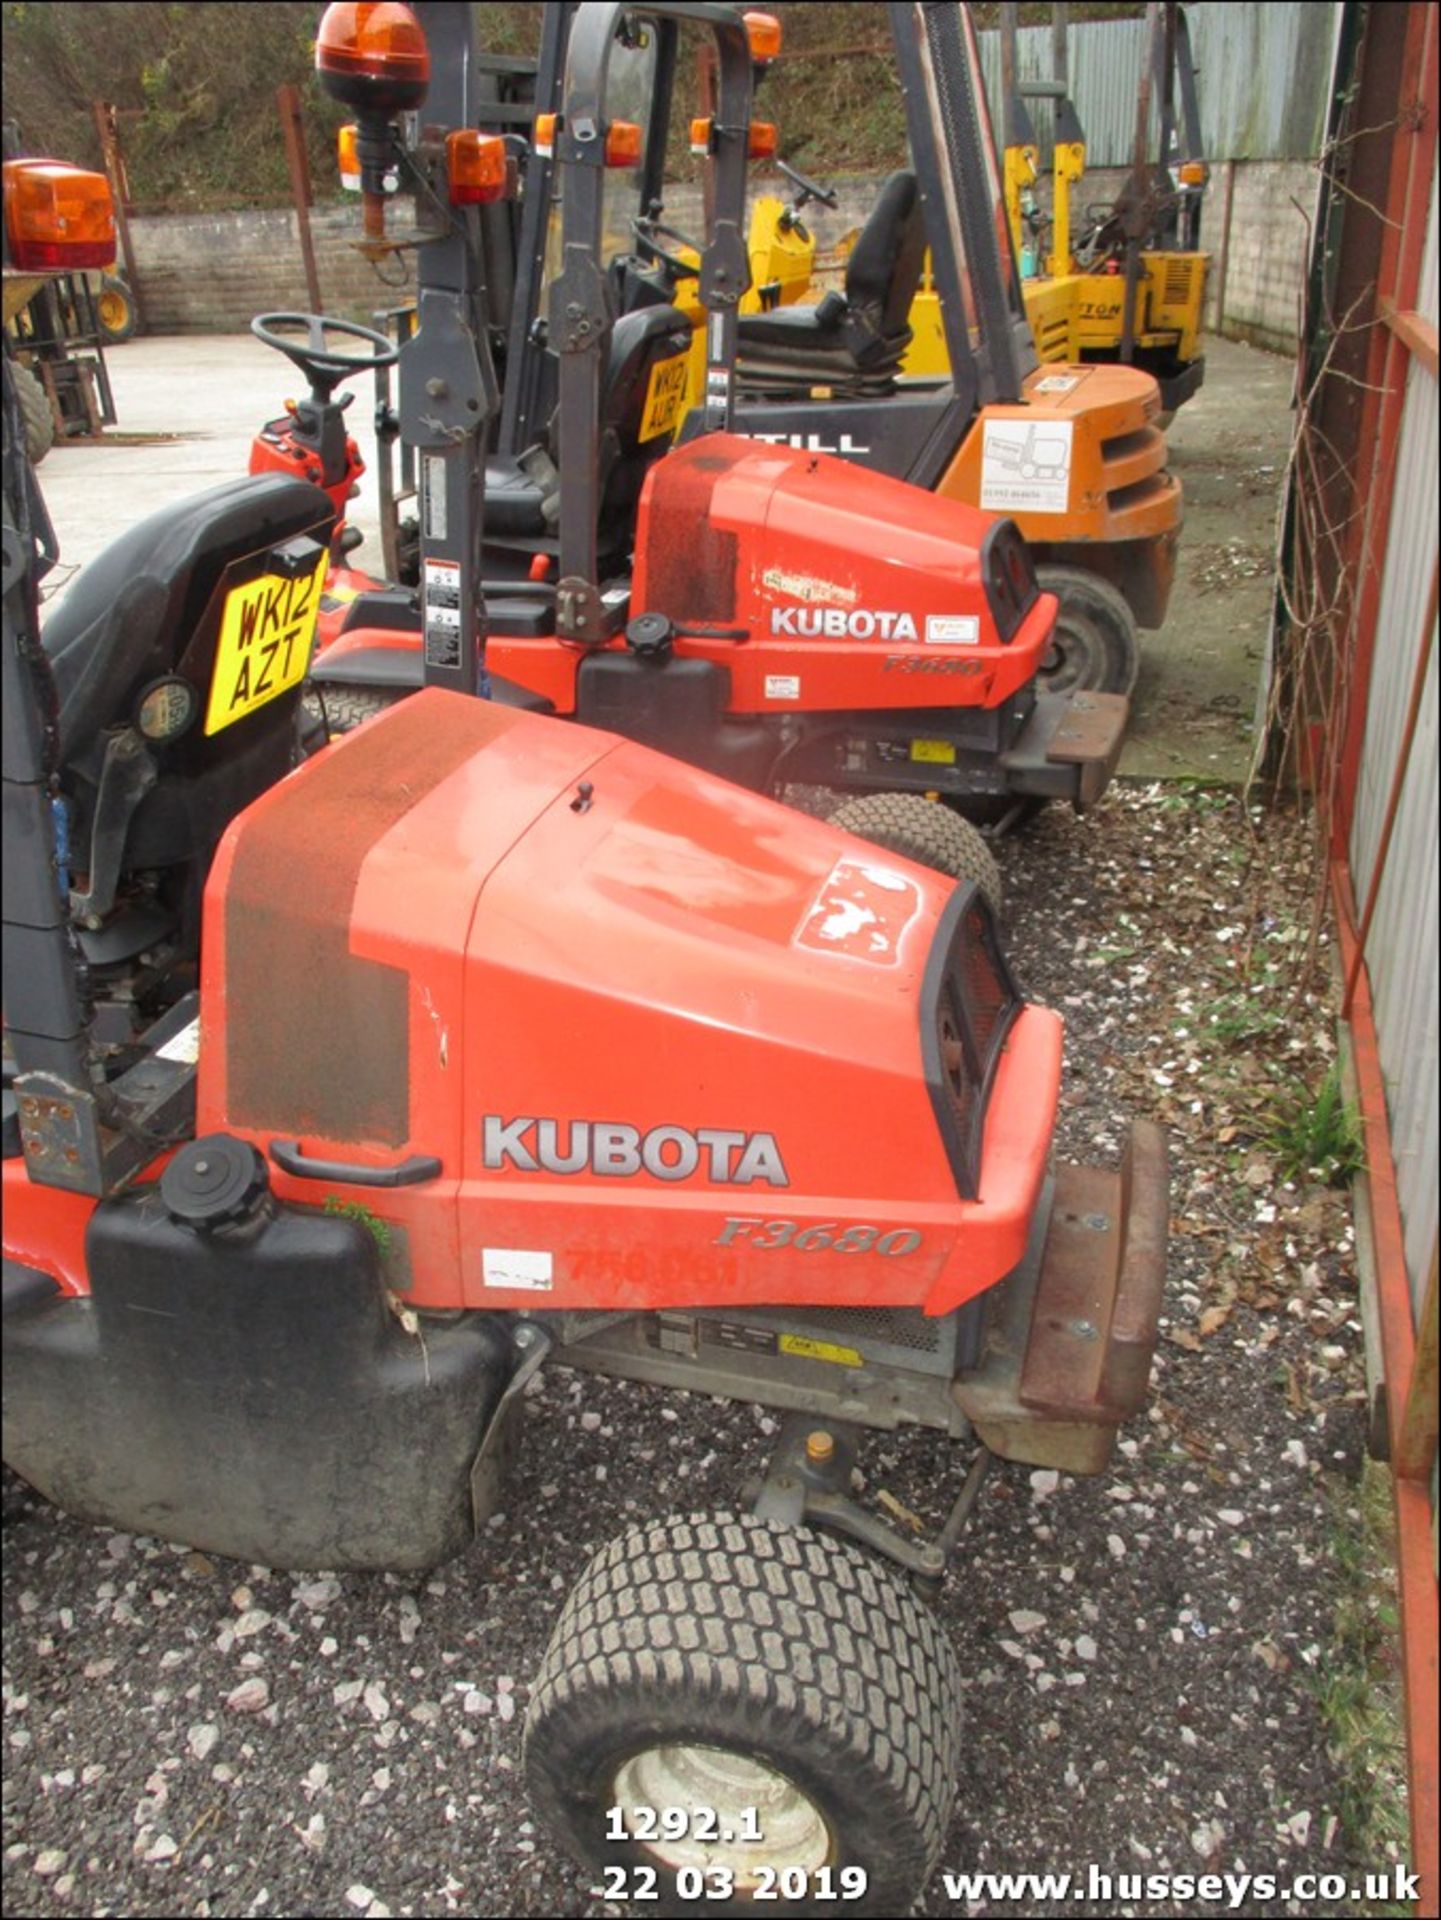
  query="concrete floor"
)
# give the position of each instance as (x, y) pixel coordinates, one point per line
(204, 396)
(1196, 698)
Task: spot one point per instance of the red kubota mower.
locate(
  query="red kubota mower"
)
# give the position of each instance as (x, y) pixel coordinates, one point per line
(778, 616)
(344, 1090)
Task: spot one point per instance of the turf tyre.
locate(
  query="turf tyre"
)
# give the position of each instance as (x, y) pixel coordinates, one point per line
(927, 832)
(778, 1644)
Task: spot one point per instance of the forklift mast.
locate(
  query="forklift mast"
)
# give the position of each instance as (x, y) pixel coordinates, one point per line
(1181, 145)
(522, 398)
(953, 152)
(580, 308)
(1068, 154)
(448, 388)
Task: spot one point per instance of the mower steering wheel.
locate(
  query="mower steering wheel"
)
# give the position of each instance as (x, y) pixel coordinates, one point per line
(322, 366)
(679, 269)
(809, 189)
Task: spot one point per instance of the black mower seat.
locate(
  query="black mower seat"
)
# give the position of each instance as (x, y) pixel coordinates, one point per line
(514, 502)
(867, 326)
(134, 609)
(522, 496)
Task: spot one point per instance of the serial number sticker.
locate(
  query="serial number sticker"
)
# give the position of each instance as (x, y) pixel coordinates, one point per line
(805, 1349)
(939, 753)
(266, 632)
(783, 686)
(518, 1267)
(183, 1046)
(953, 630)
(664, 396)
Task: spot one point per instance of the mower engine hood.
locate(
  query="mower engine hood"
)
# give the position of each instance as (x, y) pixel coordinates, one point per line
(640, 1030)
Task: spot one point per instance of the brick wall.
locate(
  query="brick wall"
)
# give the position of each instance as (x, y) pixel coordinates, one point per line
(1267, 252)
(209, 273)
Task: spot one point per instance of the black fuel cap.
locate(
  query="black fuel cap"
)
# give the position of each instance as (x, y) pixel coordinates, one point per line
(651, 635)
(214, 1182)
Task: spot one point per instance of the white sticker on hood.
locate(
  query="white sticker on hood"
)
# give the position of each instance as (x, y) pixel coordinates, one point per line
(518, 1267)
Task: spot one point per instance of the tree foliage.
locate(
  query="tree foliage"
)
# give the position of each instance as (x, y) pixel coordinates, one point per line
(196, 88)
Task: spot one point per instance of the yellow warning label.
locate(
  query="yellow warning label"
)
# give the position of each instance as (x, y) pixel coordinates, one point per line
(938, 752)
(820, 1350)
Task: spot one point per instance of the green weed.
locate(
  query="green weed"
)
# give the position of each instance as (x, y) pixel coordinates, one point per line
(1318, 1135)
(353, 1210)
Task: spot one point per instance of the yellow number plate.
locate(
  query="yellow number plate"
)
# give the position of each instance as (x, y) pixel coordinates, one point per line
(937, 752)
(664, 396)
(266, 633)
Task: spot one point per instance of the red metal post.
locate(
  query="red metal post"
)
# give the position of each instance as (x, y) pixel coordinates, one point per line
(1414, 159)
(1415, 1575)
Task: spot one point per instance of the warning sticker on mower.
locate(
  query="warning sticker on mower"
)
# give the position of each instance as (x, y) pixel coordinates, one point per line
(522, 1269)
(783, 686)
(862, 911)
(432, 496)
(952, 630)
(1026, 466)
(442, 613)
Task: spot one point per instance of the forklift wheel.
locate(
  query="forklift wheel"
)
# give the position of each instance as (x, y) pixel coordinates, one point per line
(779, 1678)
(1095, 649)
(35, 409)
(925, 831)
(115, 310)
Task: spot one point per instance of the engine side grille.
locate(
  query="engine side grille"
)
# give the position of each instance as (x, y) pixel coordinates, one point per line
(1176, 289)
(968, 1003)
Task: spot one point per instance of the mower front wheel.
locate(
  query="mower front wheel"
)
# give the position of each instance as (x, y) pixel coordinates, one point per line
(762, 1680)
(927, 832)
(1095, 648)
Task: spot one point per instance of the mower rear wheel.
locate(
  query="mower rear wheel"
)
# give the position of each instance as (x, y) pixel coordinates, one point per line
(927, 832)
(729, 1663)
(1095, 648)
(115, 310)
(35, 411)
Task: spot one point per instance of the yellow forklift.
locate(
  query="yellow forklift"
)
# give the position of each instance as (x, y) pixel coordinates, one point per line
(1125, 283)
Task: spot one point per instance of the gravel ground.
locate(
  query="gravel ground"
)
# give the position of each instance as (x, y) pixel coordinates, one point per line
(187, 1736)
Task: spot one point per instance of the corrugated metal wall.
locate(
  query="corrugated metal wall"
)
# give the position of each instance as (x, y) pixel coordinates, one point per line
(1401, 950)
(1264, 73)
